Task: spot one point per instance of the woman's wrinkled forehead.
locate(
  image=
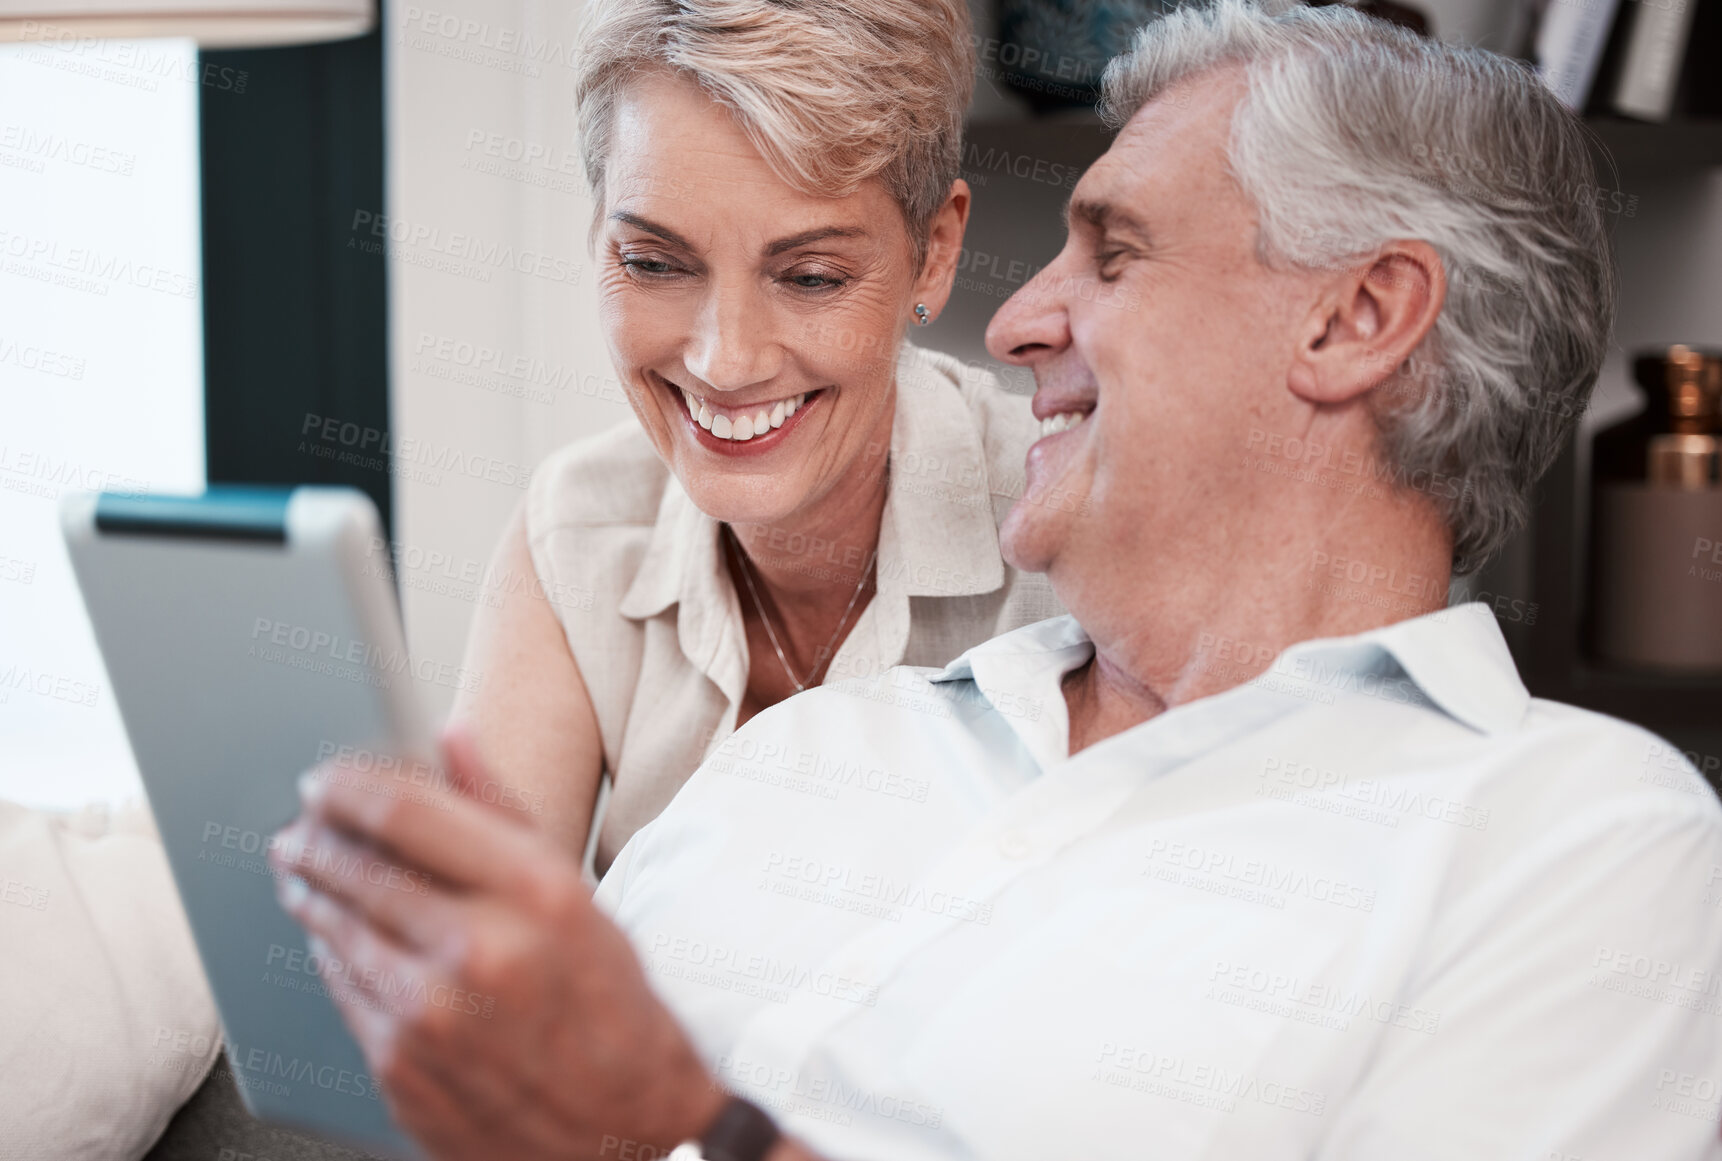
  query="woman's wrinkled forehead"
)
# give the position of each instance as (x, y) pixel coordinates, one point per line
(682, 169)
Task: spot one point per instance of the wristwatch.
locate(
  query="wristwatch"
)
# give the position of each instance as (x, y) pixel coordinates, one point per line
(741, 1132)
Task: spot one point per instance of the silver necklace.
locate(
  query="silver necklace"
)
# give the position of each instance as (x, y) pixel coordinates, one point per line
(771, 634)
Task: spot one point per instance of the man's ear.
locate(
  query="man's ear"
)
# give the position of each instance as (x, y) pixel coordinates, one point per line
(1368, 323)
(944, 246)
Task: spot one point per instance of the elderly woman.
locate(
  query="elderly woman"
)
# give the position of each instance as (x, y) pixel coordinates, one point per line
(806, 496)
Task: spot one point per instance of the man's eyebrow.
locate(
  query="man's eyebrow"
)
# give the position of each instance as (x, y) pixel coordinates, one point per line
(651, 227)
(807, 237)
(1103, 215)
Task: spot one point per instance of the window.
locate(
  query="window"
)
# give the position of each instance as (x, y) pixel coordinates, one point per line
(101, 369)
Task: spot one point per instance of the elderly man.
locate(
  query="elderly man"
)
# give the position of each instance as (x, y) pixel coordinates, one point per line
(1262, 853)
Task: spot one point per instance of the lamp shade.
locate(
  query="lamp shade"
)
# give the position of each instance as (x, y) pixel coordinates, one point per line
(212, 23)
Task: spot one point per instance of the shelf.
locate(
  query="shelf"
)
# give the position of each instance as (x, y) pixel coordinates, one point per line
(1646, 696)
(1076, 138)
(1550, 658)
(1680, 146)
(1670, 145)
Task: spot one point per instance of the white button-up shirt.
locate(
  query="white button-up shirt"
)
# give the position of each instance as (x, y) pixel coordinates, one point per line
(1377, 904)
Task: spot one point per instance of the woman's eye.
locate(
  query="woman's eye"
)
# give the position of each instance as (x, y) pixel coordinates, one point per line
(813, 281)
(648, 266)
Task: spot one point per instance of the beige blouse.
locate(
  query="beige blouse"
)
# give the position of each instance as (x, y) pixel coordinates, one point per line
(635, 574)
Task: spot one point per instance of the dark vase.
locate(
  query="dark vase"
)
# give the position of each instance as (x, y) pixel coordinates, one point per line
(1053, 52)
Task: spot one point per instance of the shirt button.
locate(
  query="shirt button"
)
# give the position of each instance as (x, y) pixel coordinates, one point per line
(1013, 844)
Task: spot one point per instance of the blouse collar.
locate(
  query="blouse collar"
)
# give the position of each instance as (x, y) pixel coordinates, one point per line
(937, 538)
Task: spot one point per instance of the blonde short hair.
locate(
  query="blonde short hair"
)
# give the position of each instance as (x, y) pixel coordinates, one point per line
(831, 92)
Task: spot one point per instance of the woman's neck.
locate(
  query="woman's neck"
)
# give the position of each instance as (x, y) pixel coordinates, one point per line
(813, 561)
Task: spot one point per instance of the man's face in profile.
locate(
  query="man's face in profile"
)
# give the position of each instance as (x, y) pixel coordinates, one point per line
(1159, 321)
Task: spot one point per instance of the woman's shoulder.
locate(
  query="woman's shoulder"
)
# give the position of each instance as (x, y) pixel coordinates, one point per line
(612, 478)
(1001, 417)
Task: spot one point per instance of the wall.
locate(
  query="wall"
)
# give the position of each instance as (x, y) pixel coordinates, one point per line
(101, 370)
(495, 348)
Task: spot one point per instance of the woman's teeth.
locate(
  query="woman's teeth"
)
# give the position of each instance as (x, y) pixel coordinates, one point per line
(1063, 421)
(745, 426)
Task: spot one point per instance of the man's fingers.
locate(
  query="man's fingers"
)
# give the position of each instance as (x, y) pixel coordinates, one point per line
(462, 843)
(403, 900)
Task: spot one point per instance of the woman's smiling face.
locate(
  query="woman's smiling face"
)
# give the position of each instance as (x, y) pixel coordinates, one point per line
(755, 326)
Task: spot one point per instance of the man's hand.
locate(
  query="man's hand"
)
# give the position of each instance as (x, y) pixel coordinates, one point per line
(504, 1015)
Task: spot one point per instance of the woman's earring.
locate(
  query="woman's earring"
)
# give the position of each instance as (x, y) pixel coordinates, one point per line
(921, 313)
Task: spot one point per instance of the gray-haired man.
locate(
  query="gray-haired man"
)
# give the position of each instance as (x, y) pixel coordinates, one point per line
(1262, 853)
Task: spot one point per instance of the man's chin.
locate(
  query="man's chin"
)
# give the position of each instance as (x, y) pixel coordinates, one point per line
(1028, 537)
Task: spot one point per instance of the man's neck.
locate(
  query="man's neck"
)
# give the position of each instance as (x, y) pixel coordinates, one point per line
(1200, 635)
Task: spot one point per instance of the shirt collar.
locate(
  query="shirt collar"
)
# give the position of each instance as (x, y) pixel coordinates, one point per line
(937, 537)
(1456, 657)
(1459, 659)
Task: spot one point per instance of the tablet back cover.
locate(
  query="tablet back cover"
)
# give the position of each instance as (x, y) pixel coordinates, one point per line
(241, 651)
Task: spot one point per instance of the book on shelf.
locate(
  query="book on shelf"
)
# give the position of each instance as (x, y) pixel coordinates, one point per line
(1655, 46)
(1648, 60)
(1569, 46)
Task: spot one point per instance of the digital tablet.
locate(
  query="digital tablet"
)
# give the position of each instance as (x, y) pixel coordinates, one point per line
(250, 633)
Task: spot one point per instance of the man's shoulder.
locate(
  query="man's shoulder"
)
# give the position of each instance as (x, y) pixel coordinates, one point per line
(612, 477)
(1561, 772)
(1594, 758)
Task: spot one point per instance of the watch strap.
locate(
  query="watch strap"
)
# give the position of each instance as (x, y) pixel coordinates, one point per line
(741, 1132)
